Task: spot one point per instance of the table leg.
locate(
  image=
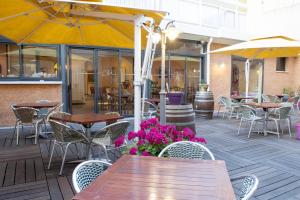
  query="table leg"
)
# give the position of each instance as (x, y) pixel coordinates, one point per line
(88, 135)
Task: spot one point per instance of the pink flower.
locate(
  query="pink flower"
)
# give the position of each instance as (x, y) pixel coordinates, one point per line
(140, 142)
(119, 141)
(131, 135)
(199, 139)
(133, 151)
(188, 133)
(141, 134)
(145, 153)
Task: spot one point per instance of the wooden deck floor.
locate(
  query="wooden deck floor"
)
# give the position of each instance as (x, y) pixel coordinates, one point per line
(24, 174)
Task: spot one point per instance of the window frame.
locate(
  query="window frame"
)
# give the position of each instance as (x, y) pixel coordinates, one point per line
(21, 76)
(279, 61)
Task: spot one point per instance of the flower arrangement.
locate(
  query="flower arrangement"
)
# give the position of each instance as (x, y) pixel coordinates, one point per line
(153, 137)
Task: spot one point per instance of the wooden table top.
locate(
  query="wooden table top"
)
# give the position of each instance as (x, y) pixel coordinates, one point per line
(86, 119)
(264, 105)
(241, 97)
(141, 177)
(37, 105)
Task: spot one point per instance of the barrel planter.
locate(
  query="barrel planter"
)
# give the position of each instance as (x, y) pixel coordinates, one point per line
(204, 104)
(181, 116)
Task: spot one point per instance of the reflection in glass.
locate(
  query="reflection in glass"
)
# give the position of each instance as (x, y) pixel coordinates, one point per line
(193, 74)
(82, 81)
(9, 60)
(40, 61)
(108, 75)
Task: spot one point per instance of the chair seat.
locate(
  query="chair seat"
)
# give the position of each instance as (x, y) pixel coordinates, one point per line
(73, 139)
(102, 141)
(254, 118)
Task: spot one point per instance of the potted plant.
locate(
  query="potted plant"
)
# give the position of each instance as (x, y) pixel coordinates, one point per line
(203, 86)
(153, 137)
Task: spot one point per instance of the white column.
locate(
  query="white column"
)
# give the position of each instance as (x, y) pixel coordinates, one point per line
(137, 73)
(208, 61)
(162, 94)
(260, 81)
(247, 73)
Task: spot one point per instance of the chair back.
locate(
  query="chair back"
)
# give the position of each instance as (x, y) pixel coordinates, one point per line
(220, 101)
(113, 131)
(62, 131)
(25, 114)
(294, 100)
(187, 150)
(249, 186)
(86, 172)
(149, 109)
(247, 112)
(283, 112)
(265, 98)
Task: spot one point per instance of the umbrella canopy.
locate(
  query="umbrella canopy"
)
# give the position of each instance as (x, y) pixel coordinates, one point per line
(268, 47)
(70, 22)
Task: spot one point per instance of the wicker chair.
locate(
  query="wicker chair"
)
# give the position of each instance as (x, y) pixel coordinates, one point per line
(281, 114)
(187, 150)
(248, 114)
(150, 110)
(230, 107)
(106, 136)
(249, 186)
(221, 104)
(86, 172)
(64, 135)
(26, 116)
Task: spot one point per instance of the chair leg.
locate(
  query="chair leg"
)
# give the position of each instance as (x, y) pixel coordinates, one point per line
(250, 128)
(18, 132)
(51, 155)
(36, 133)
(289, 126)
(277, 128)
(64, 158)
(218, 110)
(239, 127)
(49, 149)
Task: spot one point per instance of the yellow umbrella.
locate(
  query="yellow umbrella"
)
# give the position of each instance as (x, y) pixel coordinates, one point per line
(268, 47)
(260, 48)
(70, 22)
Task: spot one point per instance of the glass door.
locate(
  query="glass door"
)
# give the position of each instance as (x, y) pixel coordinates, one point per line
(81, 77)
(108, 81)
(193, 71)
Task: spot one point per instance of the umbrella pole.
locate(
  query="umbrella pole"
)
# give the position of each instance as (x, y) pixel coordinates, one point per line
(137, 72)
(260, 81)
(247, 71)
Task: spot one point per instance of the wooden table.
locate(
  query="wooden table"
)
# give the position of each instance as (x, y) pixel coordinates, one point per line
(87, 120)
(239, 98)
(37, 105)
(265, 106)
(141, 177)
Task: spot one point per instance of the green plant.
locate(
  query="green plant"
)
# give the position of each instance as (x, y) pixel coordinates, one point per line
(203, 82)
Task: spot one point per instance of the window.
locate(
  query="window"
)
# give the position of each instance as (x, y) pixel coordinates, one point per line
(210, 15)
(9, 60)
(229, 19)
(281, 64)
(40, 61)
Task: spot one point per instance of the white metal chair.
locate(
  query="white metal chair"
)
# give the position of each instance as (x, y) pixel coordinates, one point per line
(86, 172)
(106, 136)
(249, 186)
(220, 103)
(26, 116)
(230, 107)
(278, 115)
(64, 136)
(248, 114)
(187, 150)
(150, 110)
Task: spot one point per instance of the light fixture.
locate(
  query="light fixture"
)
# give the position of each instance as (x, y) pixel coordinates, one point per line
(171, 31)
(156, 37)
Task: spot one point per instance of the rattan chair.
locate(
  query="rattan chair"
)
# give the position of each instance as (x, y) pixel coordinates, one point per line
(26, 116)
(86, 172)
(248, 114)
(231, 107)
(187, 150)
(278, 115)
(221, 104)
(64, 135)
(105, 137)
(248, 188)
(150, 110)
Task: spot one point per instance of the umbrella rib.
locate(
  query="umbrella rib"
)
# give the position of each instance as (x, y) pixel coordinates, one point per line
(40, 25)
(24, 13)
(119, 31)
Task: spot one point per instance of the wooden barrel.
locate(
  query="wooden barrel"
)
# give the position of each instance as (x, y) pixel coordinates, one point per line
(204, 104)
(181, 116)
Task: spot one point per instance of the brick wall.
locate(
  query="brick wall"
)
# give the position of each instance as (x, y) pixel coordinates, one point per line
(13, 94)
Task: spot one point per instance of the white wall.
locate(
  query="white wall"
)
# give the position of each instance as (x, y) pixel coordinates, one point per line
(217, 18)
(274, 17)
